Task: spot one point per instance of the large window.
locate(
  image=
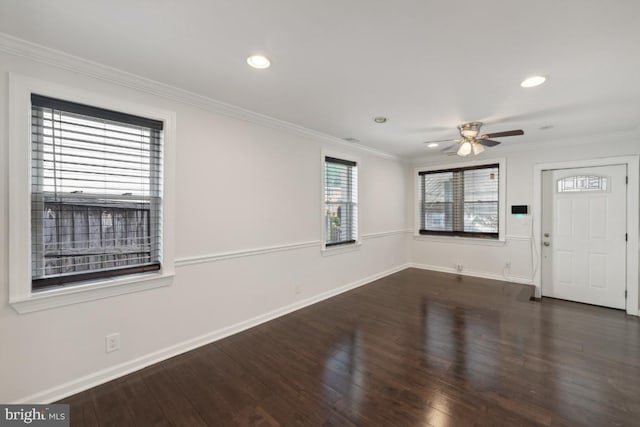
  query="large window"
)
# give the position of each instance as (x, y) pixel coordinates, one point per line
(341, 201)
(460, 202)
(96, 187)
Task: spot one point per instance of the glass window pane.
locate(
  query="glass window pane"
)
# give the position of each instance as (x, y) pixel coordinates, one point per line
(460, 201)
(438, 187)
(340, 202)
(481, 217)
(582, 183)
(96, 195)
(438, 216)
(481, 185)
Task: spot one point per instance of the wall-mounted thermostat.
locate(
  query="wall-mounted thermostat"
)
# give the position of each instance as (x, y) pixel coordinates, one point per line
(519, 209)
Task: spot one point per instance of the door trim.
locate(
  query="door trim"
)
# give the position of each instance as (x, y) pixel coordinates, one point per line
(633, 216)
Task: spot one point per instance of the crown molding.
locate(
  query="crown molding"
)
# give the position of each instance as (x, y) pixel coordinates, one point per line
(59, 59)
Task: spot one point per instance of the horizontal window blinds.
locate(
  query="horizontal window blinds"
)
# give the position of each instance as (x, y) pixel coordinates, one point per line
(96, 192)
(460, 202)
(341, 201)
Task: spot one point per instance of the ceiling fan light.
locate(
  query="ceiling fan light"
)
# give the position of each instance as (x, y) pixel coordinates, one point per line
(477, 148)
(465, 149)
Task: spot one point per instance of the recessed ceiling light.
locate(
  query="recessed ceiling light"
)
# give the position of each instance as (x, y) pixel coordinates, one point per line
(533, 81)
(432, 145)
(380, 119)
(546, 127)
(350, 139)
(258, 61)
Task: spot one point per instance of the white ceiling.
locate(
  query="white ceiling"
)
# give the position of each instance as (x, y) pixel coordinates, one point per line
(336, 64)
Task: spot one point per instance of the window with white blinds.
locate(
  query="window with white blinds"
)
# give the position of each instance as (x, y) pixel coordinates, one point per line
(341, 201)
(460, 202)
(96, 188)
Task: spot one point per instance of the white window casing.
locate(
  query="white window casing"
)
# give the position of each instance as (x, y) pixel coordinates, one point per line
(22, 297)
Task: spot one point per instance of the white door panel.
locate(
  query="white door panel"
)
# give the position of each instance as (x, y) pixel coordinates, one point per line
(598, 218)
(564, 268)
(584, 226)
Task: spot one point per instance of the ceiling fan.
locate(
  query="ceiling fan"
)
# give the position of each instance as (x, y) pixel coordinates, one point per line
(471, 142)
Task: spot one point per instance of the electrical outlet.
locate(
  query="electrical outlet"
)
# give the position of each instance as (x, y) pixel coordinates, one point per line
(459, 267)
(507, 264)
(112, 342)
(297, 289)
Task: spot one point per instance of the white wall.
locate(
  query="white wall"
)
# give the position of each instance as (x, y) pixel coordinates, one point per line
(239, 186)
(488, 259)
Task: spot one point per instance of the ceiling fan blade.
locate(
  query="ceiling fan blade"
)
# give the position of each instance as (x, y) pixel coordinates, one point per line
(442, 140)
(502, 134)
(449, 147)
(488, 142)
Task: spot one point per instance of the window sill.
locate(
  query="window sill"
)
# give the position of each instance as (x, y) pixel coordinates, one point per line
(462, 240)
(53, 298)
(340, 249)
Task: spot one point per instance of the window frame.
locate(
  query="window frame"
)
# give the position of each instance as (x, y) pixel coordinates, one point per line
(22, 297)
(94, 198)
(466, 236)
(338, 247)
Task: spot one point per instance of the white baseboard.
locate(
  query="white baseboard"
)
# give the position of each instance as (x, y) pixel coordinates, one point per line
(480, 274)
(75, 386)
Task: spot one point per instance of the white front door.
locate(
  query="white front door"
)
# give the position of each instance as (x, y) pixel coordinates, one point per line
(584, 235)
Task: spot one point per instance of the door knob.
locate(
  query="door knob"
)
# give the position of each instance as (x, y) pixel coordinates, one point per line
(547, 244)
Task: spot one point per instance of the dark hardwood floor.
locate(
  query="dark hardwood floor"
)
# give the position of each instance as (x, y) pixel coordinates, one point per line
(417, 348)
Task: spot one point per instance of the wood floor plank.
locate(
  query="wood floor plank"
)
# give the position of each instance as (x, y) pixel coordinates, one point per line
(82, 411)
(133, 394)
(109, 408)
(416, 348)
(176, 407)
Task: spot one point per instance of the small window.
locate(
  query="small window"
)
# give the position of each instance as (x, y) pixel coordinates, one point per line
(580, 183)
(95, 193)
(341, 201)
(460, 202)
